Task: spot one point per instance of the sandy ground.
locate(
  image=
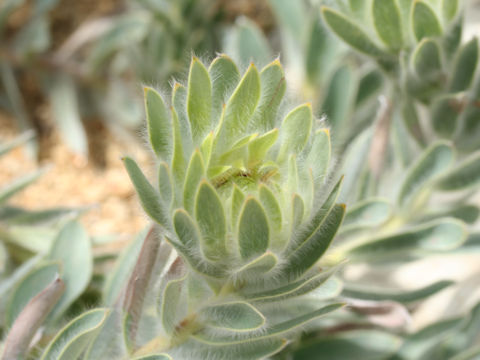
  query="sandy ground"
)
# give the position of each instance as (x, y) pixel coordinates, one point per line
(74, 181)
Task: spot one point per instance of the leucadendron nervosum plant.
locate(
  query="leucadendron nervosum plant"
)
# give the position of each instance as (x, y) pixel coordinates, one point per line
(244, 198)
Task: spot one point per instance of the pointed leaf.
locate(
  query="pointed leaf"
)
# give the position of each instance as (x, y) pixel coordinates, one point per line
(159, 124)
(74, 338)
(240, 108)
(149, 197)
(258, 147)
(435, 160)
(425, 21)
(9, 190)
(312, 249)
(319, 157)
(295, 130)
(210, 218)
(199, 99)
(179, 103)
(225, 77)
(253, 230)
(234, 316)
(387, 21)
(350, 32)
(273, 85)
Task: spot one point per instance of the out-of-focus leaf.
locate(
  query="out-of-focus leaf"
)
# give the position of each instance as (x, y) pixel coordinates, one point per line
(463, 176)
(435, 160)
(427, 60)
(118, 277)
(19, 184)
(402, 296)
(440, 235)
(154, 357)
(425, 21)
(360, 344)
(449, 9)
(387, 21)
(76, 271)
(319, 156)
(291, 16)
(28, 288)
(74, 338)
(371, 212)
(465, 66)
(444, 114)
(19, 140)
(368, 86)
(66, 112)
(33, 37)
(246, 43)
(351, 33)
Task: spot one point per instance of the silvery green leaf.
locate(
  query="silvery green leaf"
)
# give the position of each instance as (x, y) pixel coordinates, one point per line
(319, 156)
(424, 21)
(272, 207)
(434, 161)
(450, 9)
(436, 236)
(367, 213)
(235, 316)
(445, 112)
(315, 245)
(427, 60)
(173, 305)
(293, 289)
(273, 331)
(210, 217)
(403, 296)
(154, 357)
(238, 198)
(465, 66)
(339, 97)
(118, 276)
(31, 285)
(388, 23)
(259, 146)
(195, 172)
(76, 271)
(369, 85)
(246, 42)
(74, 338)
(179, 103)
(351, 33)
(159, 124)
(165, 186)
(360, 344)
(240, 108)
(464, 175)
(149, 197)
(178, 159)
(273, 85)
(199, 99)
(253, 230)
(295, 130)
(291, 16)
(225, 77)
(418, 344)
(262, 264)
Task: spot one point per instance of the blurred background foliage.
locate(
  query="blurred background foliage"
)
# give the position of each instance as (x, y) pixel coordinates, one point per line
(401, 104)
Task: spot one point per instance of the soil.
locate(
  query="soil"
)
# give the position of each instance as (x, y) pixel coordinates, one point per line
(75, 181)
